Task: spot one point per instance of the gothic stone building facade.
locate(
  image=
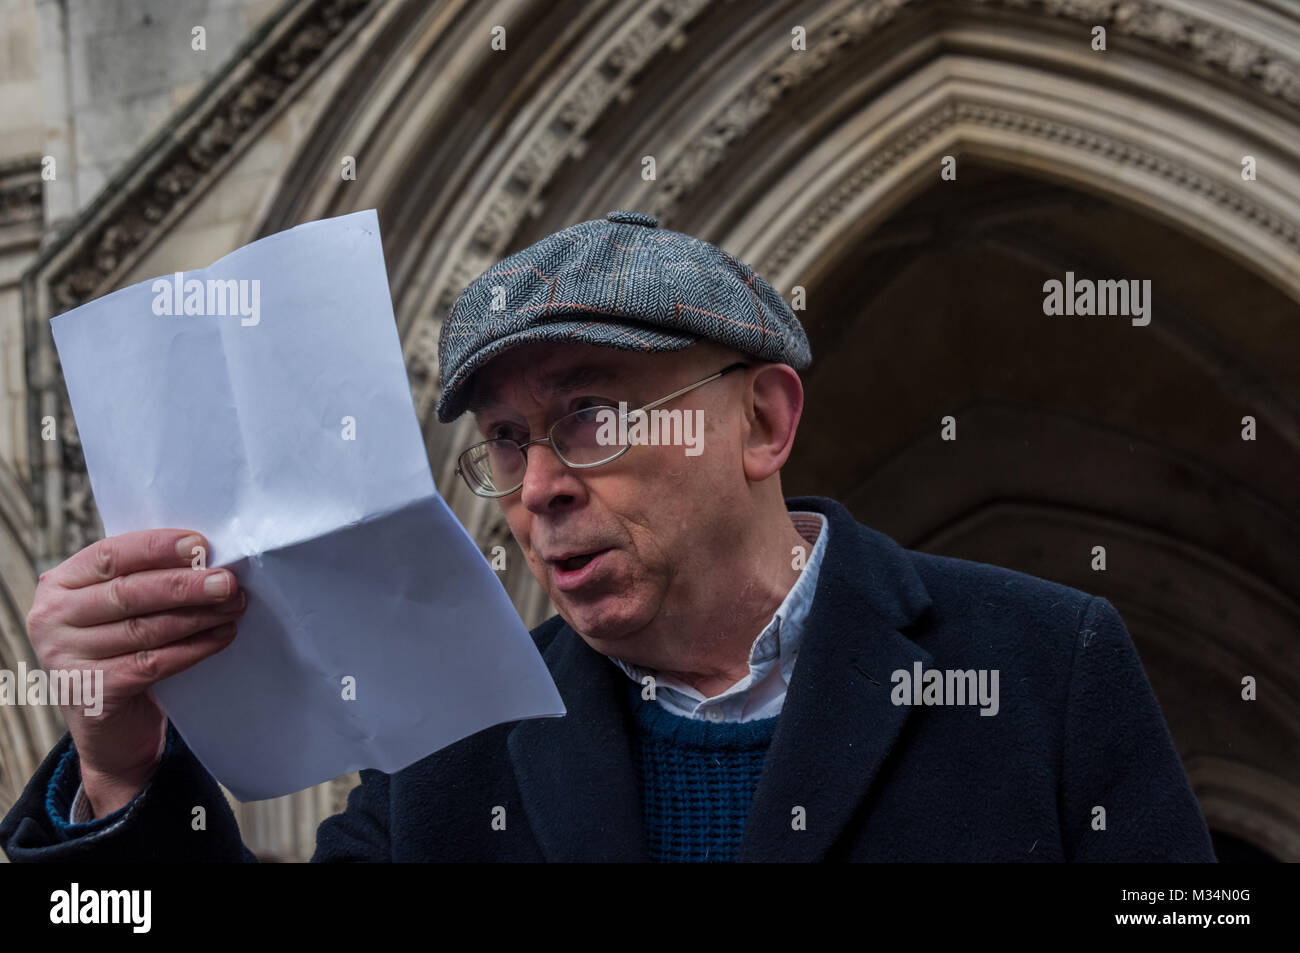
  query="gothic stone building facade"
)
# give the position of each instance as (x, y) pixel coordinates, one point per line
(915, 169)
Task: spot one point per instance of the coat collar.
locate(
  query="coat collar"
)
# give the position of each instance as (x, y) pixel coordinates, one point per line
(576, 774)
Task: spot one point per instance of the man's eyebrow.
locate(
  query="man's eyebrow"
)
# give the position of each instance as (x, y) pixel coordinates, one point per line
(570, 378)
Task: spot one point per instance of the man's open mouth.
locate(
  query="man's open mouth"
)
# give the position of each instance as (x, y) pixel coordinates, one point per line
(577, 562)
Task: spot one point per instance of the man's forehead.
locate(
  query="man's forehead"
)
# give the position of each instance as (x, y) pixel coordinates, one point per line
(560, 370)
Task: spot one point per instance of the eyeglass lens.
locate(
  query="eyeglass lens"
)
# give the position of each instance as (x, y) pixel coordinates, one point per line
(582, 438)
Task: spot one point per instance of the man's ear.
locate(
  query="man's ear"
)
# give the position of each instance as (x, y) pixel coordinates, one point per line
(773, 404)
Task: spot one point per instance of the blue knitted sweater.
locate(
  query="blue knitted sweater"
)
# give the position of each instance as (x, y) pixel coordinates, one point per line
(697, 780)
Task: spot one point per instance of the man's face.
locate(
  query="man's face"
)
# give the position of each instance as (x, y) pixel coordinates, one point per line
(655, 518)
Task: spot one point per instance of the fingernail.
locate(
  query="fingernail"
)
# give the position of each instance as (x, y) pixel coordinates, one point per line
(185, 546)
(217, 584)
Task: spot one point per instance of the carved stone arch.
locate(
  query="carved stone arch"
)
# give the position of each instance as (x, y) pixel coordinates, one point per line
(1159, 121)
(1169, 168)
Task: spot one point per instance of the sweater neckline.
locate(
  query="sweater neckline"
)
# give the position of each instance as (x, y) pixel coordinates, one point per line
(654, 722)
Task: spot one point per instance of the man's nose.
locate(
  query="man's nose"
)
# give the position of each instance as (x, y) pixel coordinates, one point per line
(547, 481)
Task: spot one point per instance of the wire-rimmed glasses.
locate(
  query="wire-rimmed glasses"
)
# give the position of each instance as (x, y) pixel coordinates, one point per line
(579, 439)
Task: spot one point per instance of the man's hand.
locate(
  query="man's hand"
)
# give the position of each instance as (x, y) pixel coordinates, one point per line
(133, 606)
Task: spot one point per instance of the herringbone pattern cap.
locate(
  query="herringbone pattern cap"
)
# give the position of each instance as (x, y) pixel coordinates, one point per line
(622, 282)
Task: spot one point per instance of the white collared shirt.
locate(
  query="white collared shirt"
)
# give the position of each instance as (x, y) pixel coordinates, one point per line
(761, 693)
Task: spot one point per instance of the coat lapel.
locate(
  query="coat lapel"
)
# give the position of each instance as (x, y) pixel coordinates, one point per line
(838, 724)
(576, 775)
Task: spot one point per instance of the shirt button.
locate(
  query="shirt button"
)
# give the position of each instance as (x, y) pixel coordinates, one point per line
(715, 715)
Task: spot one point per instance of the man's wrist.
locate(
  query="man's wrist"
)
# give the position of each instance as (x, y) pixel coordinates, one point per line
(108, 794)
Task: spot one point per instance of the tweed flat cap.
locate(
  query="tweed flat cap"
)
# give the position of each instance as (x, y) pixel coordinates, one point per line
(620, 282)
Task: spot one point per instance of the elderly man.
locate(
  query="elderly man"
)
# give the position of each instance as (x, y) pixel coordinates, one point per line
(747, 677)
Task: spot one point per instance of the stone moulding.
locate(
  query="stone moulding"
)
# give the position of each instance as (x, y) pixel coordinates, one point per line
(21, 197)
(1160, 22)
(190, 150)
(1023, 123)
(1173, 26)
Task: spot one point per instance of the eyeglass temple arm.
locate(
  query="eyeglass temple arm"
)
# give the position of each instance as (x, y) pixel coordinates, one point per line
(689, 387)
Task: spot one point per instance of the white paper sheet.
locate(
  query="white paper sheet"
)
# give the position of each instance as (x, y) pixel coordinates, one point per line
(234, 425)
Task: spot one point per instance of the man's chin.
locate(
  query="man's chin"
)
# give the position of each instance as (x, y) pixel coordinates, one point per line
(605, 620)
